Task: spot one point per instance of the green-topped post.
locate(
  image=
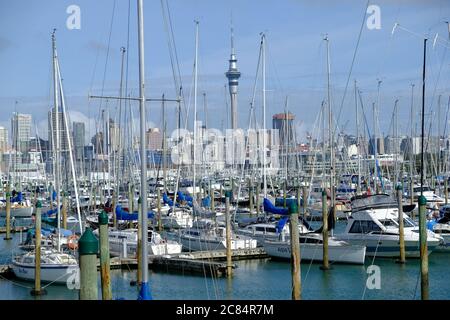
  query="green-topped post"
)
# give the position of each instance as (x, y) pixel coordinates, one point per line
(87, 250)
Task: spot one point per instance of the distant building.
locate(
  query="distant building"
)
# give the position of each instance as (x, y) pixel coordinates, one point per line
(3, 139)
(154, 139)
(97, 142)
(284, 122)
(63, 134)
(21, 131)
(79, 134)
(380, 146)
(113, 136)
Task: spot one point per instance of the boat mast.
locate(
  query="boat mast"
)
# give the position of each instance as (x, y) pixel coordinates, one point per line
(195, 109)
(144, 293)
(263, 44)
(358, 187)
(411, 154)
(330, 128)
(57, 145)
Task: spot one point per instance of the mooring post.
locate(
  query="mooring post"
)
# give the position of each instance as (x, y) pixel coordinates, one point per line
(158, 203)
(113, 208)
(446, 190)
(88, 249)
(104, 256)
(423, 248)
(228, 237)
(325, 263)
(295, 252)
(37, 291)
(250, 195)
(401, 230)
(8, 212)
(64, 210)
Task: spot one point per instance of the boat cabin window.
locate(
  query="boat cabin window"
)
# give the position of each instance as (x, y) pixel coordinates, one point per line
(271, 230)
(364, 226)
(262, 229)
(310, 240)
(389, 223)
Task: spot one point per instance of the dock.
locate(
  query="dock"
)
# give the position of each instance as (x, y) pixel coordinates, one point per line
(205, 263)
(14, 229)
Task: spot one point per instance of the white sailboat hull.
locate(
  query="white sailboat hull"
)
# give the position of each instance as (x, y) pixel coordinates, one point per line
(60, 274)
(204, 243)
(314, 252)
(22, 212)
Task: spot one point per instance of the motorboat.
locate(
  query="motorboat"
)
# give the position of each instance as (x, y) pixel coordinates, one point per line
(374, 223)
(311, 249)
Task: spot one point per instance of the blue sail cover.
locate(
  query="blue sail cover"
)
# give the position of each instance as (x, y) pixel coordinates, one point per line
(206, 202)
(50, 212)
(182, 197)
(53, 195)
(124, 215)
(166, 200)
(281, 223)
(269, 207)
(17, 198)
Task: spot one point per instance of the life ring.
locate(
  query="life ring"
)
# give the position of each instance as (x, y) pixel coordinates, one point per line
(72, 242)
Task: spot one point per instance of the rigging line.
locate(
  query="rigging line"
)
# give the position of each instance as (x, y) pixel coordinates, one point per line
(169, 44)
(353, 62)
(107, 53)
(176, 55)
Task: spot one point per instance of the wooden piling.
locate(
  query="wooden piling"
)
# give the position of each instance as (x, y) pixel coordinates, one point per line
(401, 225)
(228, 237)
(325, 263)
(8, 212)
(295, 252)
(424, 285)
(88, 249)
(37, 290)
(104, 256)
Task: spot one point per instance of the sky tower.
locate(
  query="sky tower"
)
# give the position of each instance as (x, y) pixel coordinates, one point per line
(233, 75)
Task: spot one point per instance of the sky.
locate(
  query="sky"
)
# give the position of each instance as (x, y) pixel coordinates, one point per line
(296, 59)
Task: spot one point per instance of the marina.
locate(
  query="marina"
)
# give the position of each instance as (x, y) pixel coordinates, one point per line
(134, 193)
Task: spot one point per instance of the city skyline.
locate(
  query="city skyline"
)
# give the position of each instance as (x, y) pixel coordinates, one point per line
(296, 64)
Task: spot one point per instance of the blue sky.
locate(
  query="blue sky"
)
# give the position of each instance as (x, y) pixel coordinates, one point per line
(296, 65)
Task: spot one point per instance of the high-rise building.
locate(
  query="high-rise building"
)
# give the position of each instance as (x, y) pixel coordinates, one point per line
(284, 123)
(21, 131)
(63, 135)
(154, 138)
(113, 136)
(233, 76)
(3, 139)
(78, 139)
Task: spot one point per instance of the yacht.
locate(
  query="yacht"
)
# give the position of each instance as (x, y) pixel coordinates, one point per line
(374, 223)
(428, 193)
(124, 243)
(205, 235)
(311, 249)
(441, 226)
(269, 231)
(56, 267)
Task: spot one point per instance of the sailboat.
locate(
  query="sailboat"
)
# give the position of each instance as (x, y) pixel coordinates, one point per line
(56, 266)
(20, 207)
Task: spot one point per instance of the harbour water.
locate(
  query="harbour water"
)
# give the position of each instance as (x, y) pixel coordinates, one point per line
(261, 280)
